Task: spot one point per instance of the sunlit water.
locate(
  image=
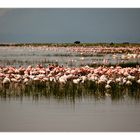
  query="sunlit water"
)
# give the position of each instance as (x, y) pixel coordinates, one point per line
(25, 56)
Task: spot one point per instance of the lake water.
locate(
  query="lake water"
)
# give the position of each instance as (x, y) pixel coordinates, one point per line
(84, 114)
(66, 56)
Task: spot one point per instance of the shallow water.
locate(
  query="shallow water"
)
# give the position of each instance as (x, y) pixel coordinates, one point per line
(86, 114)
(25, 56)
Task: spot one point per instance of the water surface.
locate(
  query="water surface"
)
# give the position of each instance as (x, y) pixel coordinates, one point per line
(85, 114)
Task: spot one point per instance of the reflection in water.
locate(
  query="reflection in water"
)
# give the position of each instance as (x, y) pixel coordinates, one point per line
(68, 92)
(31, 109)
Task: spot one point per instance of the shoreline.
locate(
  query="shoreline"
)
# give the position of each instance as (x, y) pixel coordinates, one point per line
(124, 44)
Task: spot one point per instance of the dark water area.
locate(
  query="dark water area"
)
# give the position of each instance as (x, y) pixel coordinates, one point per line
(88, 114)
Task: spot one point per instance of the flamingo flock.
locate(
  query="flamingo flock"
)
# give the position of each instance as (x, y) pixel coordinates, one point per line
(105, 50)
(101, 76)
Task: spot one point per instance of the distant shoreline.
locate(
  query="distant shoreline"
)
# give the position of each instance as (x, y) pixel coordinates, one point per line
(70, 44)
